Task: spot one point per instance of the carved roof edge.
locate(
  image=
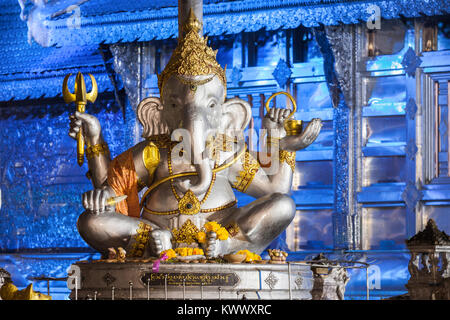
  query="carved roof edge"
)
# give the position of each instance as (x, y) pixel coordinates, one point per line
(431, 235)
(226, 17)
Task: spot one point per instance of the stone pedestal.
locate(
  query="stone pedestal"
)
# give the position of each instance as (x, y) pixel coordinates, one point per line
(135, 280)
(428, 266)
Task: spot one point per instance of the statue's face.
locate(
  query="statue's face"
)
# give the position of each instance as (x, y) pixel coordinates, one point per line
(194, 109)
(192, 103)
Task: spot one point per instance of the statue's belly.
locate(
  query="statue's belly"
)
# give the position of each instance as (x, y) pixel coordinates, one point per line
(162, 200)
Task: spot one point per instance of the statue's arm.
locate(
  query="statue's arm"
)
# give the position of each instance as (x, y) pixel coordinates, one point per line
(125, 175)
(272, 169)
(97, 151)
(256, 176)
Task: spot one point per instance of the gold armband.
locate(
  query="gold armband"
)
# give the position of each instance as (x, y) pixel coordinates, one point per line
(249, 168)
(288, 157)
(151, 157)
(96, 150)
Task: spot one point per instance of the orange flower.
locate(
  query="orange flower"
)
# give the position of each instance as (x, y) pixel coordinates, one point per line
(198, 251)
(181, 251)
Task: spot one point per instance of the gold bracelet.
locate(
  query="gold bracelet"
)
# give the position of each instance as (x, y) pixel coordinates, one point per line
(96, 150)
(232, 228)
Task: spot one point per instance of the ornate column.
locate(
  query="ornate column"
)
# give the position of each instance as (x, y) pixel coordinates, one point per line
(338, 47)
(429, 264)
(329, 283)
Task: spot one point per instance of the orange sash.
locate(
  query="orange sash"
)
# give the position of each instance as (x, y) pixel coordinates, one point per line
(122, 178)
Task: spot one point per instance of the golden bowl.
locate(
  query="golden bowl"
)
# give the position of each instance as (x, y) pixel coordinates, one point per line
(293, 127)
(235, 258)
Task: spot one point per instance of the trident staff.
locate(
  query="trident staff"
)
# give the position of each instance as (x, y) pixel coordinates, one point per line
(80, 97)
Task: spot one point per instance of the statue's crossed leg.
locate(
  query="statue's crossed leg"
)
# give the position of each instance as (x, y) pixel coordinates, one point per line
(258, 224)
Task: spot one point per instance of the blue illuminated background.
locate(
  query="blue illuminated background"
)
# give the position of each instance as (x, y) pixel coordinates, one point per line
(41, 183)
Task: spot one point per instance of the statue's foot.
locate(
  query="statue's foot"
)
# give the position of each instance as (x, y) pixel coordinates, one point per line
(160, 241)
(215, 247)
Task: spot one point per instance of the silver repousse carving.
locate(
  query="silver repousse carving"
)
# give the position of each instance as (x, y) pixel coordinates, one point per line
(271, 280)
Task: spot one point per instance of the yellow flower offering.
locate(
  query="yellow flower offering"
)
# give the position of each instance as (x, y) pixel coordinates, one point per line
(222, 233)
(185, 251)
(212, 226)
(250, 256)
(170, 254)
(198, 251)
(201, 237)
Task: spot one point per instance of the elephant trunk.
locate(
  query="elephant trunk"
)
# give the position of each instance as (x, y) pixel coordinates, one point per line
(195, 124)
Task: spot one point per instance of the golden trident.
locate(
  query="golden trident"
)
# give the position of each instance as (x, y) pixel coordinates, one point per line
(80, 97)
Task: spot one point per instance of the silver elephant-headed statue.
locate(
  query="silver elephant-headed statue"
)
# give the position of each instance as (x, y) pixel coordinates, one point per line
(192, 157)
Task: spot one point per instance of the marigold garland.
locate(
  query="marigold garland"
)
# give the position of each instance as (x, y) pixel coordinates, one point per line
(170, 254)
(201, 237)
(222, 233)
(183, 252)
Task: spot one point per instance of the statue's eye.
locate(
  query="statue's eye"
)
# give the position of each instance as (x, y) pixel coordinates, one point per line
(212, 105)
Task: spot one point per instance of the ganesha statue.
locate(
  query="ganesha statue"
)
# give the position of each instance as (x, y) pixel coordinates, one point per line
(192, 156)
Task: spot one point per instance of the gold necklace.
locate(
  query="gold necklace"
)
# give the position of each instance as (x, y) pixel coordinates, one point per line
(185, 174)
(189, 203)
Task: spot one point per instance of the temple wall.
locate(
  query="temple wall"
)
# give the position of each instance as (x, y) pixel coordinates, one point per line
(394, 192)
(41, 182)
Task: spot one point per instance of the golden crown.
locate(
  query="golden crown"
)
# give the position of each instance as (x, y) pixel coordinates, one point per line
(192, 56)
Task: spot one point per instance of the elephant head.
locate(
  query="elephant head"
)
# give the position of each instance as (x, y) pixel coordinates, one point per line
(193, 89)
(199, 112)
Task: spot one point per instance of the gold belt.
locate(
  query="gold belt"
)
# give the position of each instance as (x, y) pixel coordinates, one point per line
(225, 206)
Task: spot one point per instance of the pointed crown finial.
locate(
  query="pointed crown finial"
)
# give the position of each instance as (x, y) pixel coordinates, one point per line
(192, 56)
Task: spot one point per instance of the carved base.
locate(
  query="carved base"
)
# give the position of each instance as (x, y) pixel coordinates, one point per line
(135, 280)
(429, 290)
(329, 285)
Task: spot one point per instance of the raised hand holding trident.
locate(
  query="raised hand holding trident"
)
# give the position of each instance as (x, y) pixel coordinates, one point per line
(80, 97)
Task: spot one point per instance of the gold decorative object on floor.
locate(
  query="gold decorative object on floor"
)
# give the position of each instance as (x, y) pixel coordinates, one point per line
(10, 292)
(121, 254)
(235, 258)
(277, 256)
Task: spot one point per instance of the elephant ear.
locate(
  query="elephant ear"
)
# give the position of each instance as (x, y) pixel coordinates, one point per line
(149, 115)
(236, 115)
